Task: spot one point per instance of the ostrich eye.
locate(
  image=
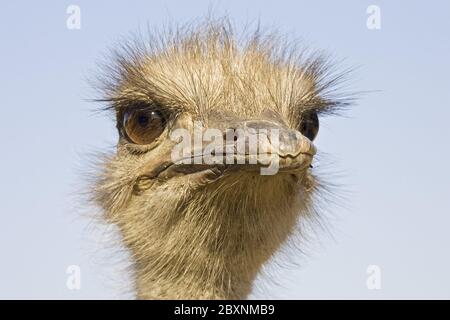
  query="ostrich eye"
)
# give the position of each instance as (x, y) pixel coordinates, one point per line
(142, 126)
(309, 124)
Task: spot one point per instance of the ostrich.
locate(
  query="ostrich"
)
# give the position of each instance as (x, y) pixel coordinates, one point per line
(203, 231)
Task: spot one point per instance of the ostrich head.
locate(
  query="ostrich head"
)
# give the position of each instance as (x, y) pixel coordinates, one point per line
(196, 229)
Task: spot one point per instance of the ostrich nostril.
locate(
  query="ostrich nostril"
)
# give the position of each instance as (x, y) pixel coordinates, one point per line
(261, 125)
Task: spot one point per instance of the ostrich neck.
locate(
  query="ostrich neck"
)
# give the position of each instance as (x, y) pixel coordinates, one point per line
(212, 246)
(219, 261)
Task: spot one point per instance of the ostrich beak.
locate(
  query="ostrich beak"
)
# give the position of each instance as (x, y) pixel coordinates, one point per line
(246, 146)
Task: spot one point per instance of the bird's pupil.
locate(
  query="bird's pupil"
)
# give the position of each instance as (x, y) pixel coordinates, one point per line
(143, 120)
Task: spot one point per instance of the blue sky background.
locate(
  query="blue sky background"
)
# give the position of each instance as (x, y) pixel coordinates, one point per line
(391, 151)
